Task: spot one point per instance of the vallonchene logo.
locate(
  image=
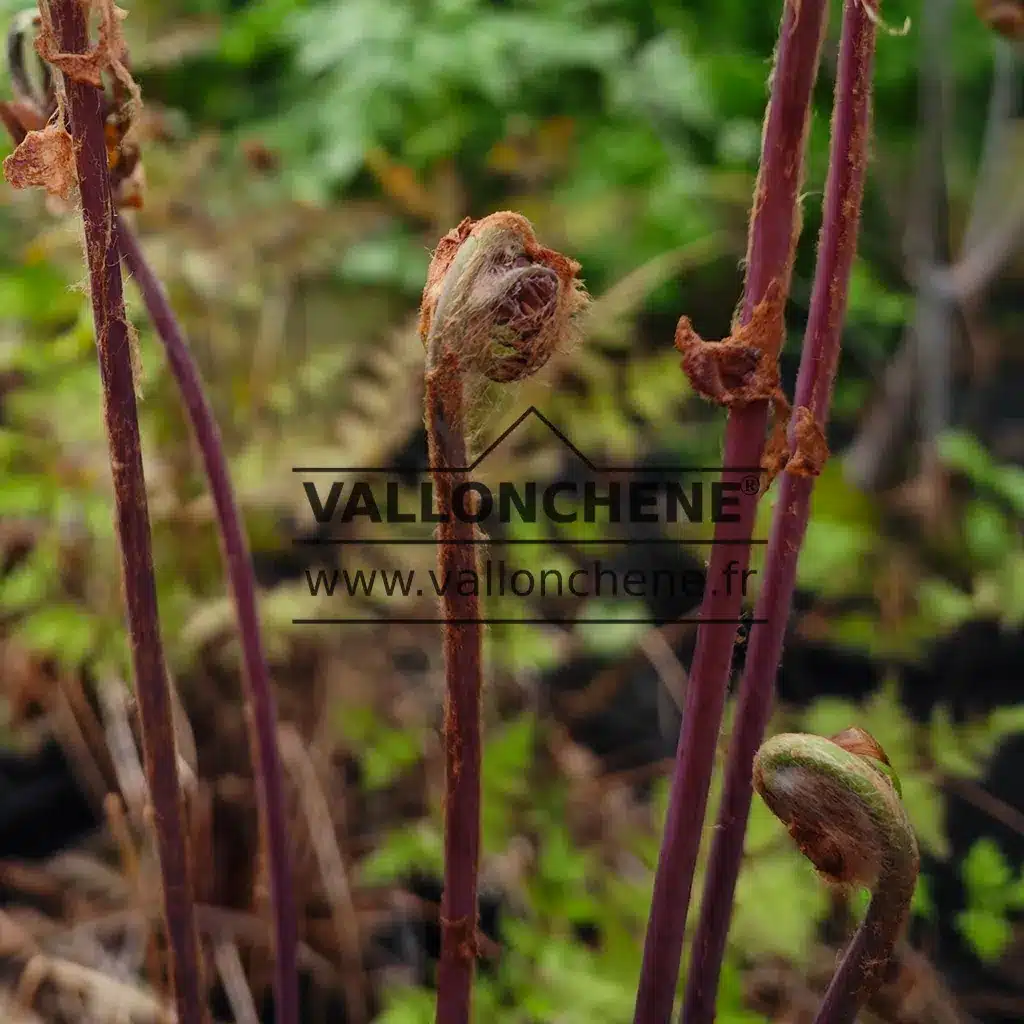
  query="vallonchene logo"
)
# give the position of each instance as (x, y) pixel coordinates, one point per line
(352, 507)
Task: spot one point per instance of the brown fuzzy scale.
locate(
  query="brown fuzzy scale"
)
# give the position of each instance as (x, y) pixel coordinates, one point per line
(810, 451)
(520, 343)
(859, 741)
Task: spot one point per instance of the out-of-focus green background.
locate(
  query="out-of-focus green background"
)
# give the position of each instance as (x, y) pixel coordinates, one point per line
(302, 159)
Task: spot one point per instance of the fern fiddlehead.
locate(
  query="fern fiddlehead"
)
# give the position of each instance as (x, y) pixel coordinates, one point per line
(839, 799)
(495, 307)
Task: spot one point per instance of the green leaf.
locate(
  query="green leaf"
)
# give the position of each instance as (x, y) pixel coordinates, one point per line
(405, 851)
(31, 582)
(833, 557)
(888, 722)
(926, 809)
(943, 603)
(392, 259)
(391, 753)
(947, 747)
(873, 302)
(779, 900)
(506, 779)
(987, 533)
(1011, 589)
(642, 88)
(1015, 895)
(989, 934)
(408, 1006)
(1001, 723)
(923, 903)
(829, 715)
(730, 1006)
(384, 753)
(66, 632)
(1009, 482)
(528, 646)
(507, 758)
(584, 993)
(962, 451)
(985, 872)
(26, 495)
(992, 891)
(560, 861)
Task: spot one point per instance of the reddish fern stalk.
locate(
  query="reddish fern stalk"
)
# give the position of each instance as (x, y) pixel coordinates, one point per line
(837, 248)
(84, 109)
(774, 229)
(463, 654)
(261, 717)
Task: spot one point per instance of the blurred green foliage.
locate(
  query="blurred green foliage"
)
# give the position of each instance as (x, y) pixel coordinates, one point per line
(992, 892)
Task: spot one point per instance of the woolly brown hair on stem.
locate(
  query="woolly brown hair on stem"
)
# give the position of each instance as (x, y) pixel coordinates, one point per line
(496, 306)
(64, 39)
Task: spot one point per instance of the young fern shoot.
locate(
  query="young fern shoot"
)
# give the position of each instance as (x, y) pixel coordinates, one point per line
(840, 800)
(495, 307)
(838, 244)
(741, 374)
(73, 149)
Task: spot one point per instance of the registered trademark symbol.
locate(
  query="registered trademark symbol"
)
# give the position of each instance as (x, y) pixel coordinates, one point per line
(751, 484)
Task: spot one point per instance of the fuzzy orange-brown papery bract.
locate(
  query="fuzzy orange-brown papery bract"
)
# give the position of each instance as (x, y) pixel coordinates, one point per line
(859, 741)
(43, 159)
(504, 302)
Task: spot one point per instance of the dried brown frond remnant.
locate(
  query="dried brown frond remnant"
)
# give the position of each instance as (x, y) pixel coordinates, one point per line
(1003, 16)
(510, 301)
(124, 154)
(35, 121)
(110, 50)
(44, 159)
(743, 368)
